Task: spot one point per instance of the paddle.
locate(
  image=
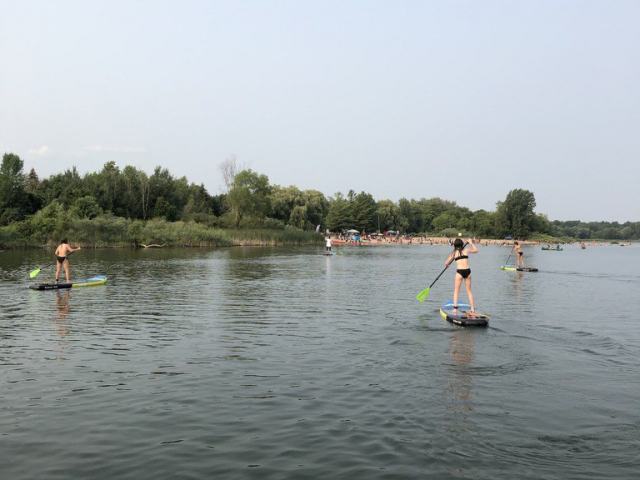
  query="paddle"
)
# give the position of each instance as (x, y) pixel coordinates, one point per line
(35, 272)
(507, 262)
(422, 296)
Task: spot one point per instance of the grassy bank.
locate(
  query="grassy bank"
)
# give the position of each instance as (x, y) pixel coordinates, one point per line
(119, 232)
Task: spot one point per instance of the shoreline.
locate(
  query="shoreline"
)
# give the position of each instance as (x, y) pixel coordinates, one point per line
(431, 240)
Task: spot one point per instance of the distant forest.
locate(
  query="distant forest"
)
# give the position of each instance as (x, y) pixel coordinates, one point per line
(34, 210)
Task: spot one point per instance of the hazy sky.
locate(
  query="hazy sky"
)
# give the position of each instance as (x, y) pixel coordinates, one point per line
(463, 100)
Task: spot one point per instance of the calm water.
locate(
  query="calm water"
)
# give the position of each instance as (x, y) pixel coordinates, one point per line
(283, 363)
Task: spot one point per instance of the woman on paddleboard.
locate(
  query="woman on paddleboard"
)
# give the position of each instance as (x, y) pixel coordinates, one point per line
(460, 255)
(518, 247)
(327, 247)
(62, 252)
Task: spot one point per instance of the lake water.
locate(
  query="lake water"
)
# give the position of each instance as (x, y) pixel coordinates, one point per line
(282, 363)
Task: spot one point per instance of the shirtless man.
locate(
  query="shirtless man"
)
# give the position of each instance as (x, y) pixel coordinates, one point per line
(62, 252)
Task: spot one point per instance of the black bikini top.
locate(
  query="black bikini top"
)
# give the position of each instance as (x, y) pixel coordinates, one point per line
(461, 257)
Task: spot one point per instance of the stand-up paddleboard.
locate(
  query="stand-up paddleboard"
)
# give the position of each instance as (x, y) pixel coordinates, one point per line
(519, 269)
(89, 282)
(462, 315)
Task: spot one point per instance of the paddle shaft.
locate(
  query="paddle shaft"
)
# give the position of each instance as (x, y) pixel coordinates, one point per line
(507, 262)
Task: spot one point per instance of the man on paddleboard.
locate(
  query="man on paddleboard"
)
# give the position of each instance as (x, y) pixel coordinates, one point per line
(62, 252)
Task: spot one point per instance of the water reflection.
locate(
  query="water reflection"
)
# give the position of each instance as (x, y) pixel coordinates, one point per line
(328, 266)
(517, 283)
(62, 304)
(460, 381)
(310, 362)
(61, 325)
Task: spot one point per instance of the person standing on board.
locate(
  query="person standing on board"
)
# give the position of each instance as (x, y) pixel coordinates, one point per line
(62, 252)
(518, 247)
(460, 255)
(327, 248)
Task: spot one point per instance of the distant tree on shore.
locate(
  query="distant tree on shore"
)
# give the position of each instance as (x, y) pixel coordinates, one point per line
(515, 216)
(249, 196)
(14, 200)
(37, 208)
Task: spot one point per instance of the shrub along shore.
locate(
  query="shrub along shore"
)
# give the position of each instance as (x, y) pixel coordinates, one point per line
(117, 232)
(104, 232)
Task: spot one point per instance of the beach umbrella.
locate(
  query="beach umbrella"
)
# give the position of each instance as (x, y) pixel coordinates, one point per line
(352, 231)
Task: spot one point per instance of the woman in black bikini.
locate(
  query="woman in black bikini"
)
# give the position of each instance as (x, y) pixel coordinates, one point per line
(518, 247)
(62, 252)
(460, 255)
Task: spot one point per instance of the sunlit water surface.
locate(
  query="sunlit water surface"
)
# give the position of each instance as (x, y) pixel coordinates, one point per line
(284, 363)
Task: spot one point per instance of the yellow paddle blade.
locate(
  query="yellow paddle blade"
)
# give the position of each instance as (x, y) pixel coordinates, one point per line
(34, 273)
(422, 296)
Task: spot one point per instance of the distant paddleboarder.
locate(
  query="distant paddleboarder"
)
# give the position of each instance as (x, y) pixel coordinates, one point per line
(327, 248)
(460, 255)
(62, 252)
(518, 247)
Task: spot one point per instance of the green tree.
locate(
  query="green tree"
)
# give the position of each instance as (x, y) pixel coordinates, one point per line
(541, 224)
(249, 195)
(317, 208)
(298, 217)
(364, 212)
(482, 223)
(283, 200)
(65, 187)
(445, 221)
(301, 209)
(339, 216)
(108, 187)
(165, 209)
(86, 207)
(13, 198)
(515, 215)
(387, 216)
(131, 193)
(161, 193)
(34, 200)
(416, 218)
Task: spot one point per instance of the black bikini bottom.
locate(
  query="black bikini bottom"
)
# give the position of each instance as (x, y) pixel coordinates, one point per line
(464, 272)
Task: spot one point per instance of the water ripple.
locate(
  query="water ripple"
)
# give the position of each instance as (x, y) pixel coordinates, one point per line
(283, 363)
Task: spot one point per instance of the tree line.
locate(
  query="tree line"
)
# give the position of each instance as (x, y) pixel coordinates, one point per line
(251, 202)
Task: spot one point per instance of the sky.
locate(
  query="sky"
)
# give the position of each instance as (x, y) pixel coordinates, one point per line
(462, 100)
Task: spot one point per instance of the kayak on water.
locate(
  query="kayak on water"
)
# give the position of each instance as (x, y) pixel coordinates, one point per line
(462, 315)
(519, 269)
(552, 249)
(89, 282)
